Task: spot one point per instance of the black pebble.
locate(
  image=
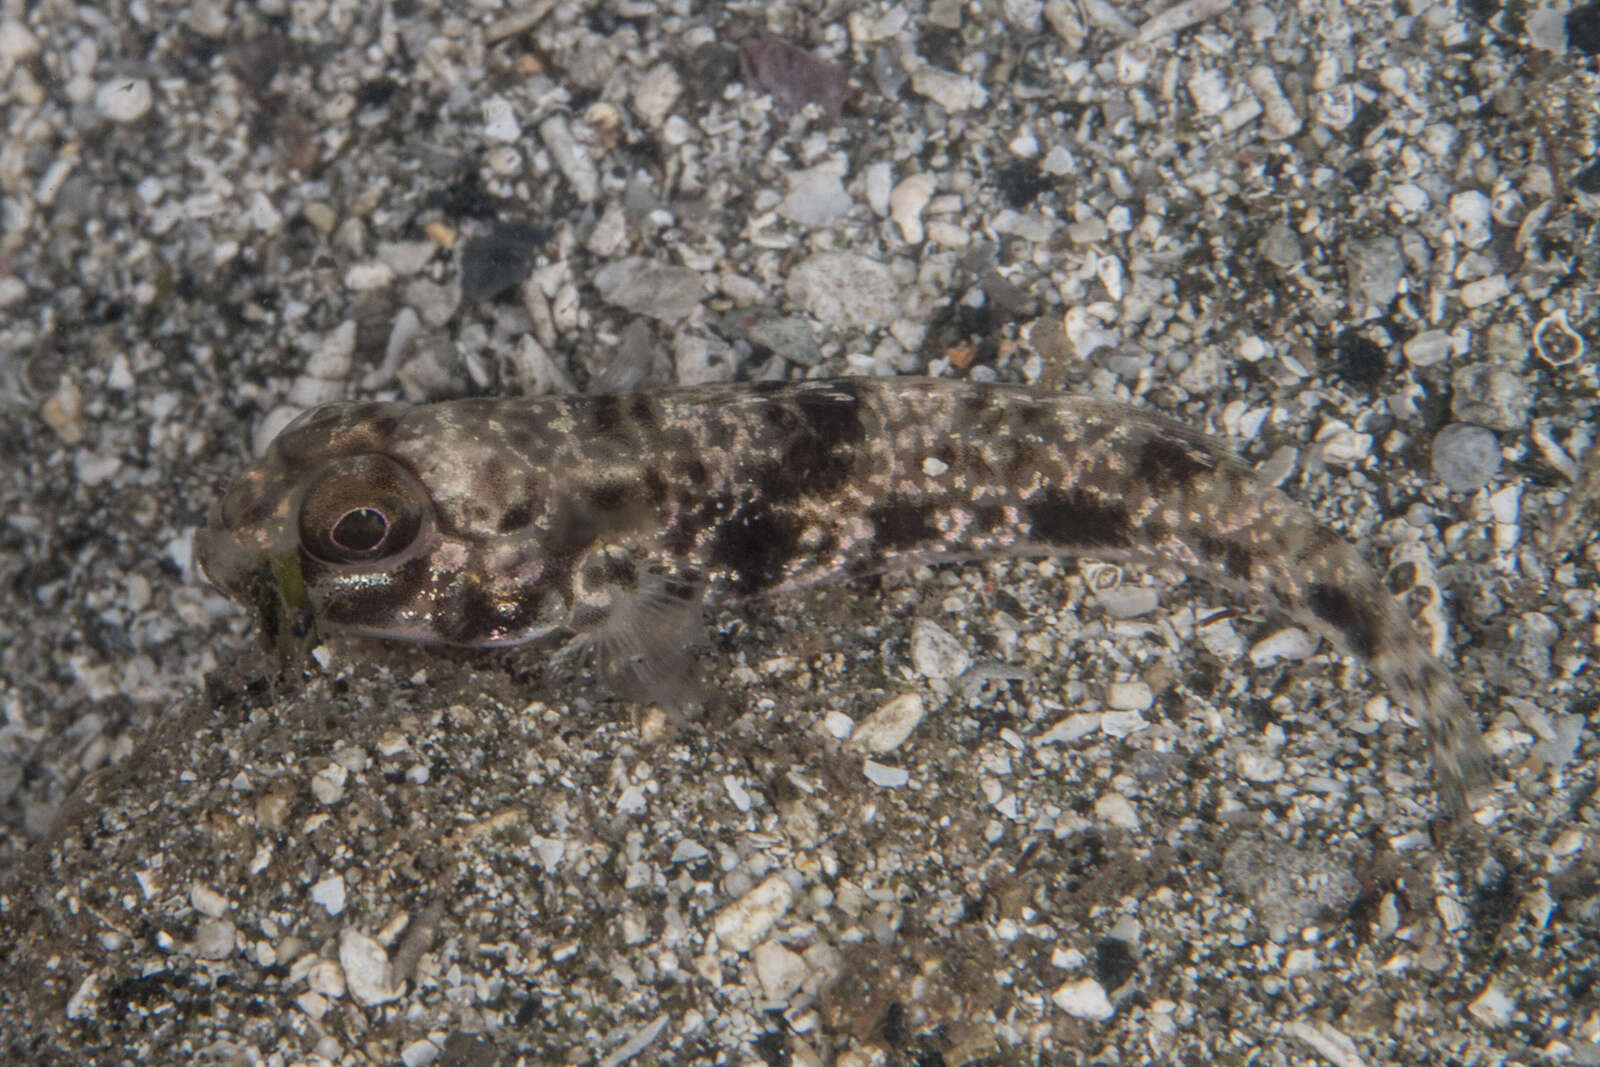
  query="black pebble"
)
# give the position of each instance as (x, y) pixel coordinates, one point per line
(1588, 179)
(1360, 361)
(1113, 962)
(494, 263)
(1583, 28)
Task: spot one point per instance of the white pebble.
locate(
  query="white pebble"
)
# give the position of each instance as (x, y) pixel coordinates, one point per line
(1289, 644)
(744, 923)
(1411, 198)
(1485, 291)
(884, 776)
(936, 654)
(910, 196)
(879, 181)
(887, 728)
(953, 92)
(1471, 218)
(1209, 88)
(365, 277)
(1130, 696)
(500, 121)
(1428, 348)
(419, 1053)
(1114, 809)
(1493, 1007)
(123, 99)
(838, 724)
(571, 158)
(326, 978)
(214, 939)
(327, 785)
(367, 973)
(208, 901)
(329, 893)
(1084, 999)
(780, 971)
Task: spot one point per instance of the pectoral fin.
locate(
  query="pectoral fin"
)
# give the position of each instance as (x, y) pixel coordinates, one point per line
(643, 617)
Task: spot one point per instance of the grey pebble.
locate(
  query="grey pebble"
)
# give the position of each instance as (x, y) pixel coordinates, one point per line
(500, 259)
(1465, 457)
(1491, 396)
(649, 287)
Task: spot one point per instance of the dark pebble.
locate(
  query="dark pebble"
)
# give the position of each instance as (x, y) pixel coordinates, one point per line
(499, 260)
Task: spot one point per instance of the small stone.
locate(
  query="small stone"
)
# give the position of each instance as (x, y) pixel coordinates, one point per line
(655, 94)
(745, 923)
(419, 1053)
(1130, 696)
(649, 287)
(1428, 348)
(329, 893)
(780, 971)
(910, 196)
(935, 653)
(62, 411)
(1465, 457)
(499, 260)
(1471, 217)
(571, 158)
(326, 978)
(500, 121)
(955, 93)
(1491, 396)
(789, 337)
(208, 901)
(1289, 644)
(1375, 268)
(367, 973)
(879, 180)
(845, 289)
(327, 785)
(123, 99)
(884, 776)
(816, 196)
(1493, 1007)
(888, 728)
(365, 277)
(1084, 999)
(700, 358)
(214, 939)
(1114, 809)
(793, 76)
(1485, 291)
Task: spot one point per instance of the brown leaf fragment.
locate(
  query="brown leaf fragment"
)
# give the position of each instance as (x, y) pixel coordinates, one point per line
(793, 76)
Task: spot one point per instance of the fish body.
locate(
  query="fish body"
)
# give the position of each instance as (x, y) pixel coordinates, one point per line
(496, 521)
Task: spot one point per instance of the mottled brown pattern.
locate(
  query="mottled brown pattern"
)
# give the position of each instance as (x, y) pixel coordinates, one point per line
(740, 490)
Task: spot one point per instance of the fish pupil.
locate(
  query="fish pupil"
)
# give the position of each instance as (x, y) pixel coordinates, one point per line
(361, 530)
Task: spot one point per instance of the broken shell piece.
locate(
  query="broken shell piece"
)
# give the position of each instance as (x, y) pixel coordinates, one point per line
(1556, 341)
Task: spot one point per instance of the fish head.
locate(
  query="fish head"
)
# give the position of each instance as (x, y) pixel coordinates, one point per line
(335, 530)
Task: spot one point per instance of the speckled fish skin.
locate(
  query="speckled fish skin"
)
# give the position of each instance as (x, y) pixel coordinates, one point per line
(495, 521)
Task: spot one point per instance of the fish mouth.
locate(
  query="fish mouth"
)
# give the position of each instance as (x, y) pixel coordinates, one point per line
(276, 592)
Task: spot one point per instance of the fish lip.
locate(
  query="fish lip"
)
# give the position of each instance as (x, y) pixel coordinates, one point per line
(276, 593)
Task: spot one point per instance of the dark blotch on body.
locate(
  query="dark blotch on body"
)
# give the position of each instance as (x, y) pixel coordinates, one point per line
(1236, 560)
(1350, 614)
(515, 517)
(606, 414)
(1076, 518)
(754, 545)
(900, 523)
(1164, 463)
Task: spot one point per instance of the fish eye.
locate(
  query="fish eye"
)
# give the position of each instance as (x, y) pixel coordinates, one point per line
(360, 530)
(361, 509)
